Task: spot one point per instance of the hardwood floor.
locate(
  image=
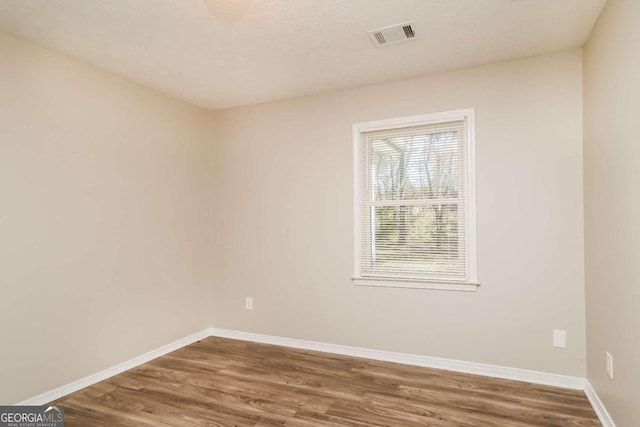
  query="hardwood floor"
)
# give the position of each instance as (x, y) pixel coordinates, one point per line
(230, 383)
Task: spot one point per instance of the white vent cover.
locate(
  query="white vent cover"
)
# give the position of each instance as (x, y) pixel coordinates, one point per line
(393, 34)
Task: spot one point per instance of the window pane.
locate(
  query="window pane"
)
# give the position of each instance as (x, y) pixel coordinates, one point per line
(418, 239)
(418, 166)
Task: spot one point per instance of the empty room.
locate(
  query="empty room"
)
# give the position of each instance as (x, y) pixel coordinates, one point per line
(300, 213)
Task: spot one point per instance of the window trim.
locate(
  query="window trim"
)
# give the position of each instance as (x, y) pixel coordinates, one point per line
(472, 283)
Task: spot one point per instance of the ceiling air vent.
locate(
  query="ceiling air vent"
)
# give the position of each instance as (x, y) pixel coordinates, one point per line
(392, 34)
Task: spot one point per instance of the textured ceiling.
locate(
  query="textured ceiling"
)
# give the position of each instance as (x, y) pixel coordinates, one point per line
(223, 53)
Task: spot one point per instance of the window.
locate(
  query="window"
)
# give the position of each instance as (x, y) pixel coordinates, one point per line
(414, 202)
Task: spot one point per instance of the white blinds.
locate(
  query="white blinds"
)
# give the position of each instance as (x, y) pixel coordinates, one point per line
(413, 203)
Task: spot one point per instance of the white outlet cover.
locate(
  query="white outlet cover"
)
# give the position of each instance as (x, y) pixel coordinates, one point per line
(609, 365)
(248, 303)
(559, 338)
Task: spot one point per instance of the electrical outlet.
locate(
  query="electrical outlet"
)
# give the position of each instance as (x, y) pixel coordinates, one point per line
(248, 303)
(559, 338)
(609, 365)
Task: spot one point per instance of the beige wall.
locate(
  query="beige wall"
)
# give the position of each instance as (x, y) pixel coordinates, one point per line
(282, 192)
(612, 207)
(103, 219)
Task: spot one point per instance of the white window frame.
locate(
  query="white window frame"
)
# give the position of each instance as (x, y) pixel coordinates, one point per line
(468, 115)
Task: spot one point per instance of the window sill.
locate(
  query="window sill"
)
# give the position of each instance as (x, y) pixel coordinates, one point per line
(441, 285)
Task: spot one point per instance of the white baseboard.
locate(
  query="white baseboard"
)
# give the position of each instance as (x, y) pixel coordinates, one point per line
(535, 377)
(62, 391)
(601, 411)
